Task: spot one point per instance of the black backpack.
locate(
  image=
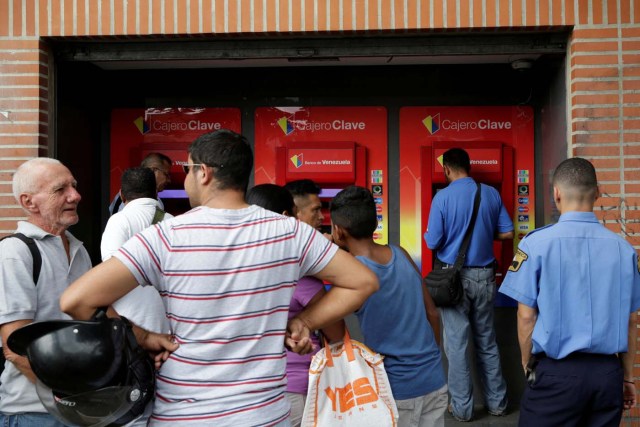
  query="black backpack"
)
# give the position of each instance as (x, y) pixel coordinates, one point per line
(35, 254)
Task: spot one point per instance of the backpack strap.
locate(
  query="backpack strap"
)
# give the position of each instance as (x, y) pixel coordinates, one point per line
(35, 254)
(158, 216)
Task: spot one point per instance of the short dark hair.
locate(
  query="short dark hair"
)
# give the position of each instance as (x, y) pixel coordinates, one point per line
(271, 197)
(577, 174)
(354, 210)
(153, 159)
(457, 158)
(302, 187)
(229, 154)
(137, 183)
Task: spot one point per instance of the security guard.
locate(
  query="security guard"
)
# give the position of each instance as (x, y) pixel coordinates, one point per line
(578, 288)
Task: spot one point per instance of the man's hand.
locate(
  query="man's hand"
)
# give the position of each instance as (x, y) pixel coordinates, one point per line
(298, 337)
(629, 395)
(159, 346)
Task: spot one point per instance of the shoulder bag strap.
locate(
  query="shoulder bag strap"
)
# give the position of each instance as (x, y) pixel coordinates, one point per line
(462, 252)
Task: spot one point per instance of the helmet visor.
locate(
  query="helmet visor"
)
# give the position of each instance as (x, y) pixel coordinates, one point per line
(94, 408)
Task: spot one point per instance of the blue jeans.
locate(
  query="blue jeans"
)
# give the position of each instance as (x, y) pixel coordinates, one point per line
(474, 315)
(29, 419)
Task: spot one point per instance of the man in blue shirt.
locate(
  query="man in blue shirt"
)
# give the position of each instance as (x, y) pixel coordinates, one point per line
(449, 218)
(399, 320)
(578, 288)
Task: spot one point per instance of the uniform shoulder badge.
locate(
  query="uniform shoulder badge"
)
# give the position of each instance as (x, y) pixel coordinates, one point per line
(520, 257)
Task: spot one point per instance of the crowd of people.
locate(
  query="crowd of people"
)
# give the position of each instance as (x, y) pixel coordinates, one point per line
(231, 300)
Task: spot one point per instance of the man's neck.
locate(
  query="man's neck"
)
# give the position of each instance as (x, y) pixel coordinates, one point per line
(224, 199)
(369, 249)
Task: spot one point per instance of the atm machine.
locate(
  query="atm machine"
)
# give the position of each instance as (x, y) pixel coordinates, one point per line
(333, 146)
(136, 132)
(332, 165)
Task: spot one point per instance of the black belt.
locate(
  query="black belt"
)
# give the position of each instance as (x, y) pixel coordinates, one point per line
(578, 355)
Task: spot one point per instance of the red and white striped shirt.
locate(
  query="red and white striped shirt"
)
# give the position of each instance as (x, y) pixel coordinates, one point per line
(226, 278)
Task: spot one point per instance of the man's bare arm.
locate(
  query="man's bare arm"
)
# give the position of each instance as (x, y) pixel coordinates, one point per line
(629, 386)
(99, 287)
(351, 284)
(102, 286)
(504, 236)
(20, 362)
(527, 317)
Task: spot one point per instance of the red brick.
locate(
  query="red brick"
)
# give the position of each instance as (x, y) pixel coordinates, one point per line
(631, 175)
(612, 99)
(595, 112)
(631, 149)
(631, 70)
(595, 125)
(590, 151)
(631, 124)
(631, 59)
(594, 46)
(577, 73)
(594, 86)
(605, 163)
(594, 59)
(631, 98)
(633, 31)
(594, 33)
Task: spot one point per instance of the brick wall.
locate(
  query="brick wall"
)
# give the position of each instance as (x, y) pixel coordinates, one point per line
(603, 79)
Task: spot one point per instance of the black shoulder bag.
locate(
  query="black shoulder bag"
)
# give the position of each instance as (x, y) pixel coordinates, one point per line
(445, 286)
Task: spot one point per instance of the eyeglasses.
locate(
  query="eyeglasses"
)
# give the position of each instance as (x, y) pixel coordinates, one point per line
(187, 167)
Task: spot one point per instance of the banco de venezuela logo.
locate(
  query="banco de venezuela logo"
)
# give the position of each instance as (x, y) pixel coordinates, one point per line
(142, 125)
(432, 123)
(296, 160)
(285, 125)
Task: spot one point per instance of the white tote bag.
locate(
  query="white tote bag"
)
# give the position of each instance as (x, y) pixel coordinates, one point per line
(348, 386)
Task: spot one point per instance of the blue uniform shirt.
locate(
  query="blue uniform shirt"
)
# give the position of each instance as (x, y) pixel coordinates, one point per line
(450, 215)
(584, 281)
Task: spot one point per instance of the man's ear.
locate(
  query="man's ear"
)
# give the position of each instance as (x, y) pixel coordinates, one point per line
(26, 201)
(204, 174)
(339, 233)
(557, 196)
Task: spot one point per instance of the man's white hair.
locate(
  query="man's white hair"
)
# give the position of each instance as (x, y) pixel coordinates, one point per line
(24, 180)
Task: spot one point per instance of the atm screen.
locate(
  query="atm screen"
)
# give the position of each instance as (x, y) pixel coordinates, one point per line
(329, 192)
(172, 194)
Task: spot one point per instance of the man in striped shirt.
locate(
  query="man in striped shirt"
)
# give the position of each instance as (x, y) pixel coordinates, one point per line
(226, 272)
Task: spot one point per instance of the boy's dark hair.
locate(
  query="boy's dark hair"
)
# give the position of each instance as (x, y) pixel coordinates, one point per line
(228, 153)
(271, 197)
(137, 183)
(302, 187)
(578, 174)
(457, 158)
(354, 210)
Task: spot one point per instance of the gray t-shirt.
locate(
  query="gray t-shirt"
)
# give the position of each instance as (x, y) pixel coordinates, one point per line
(21, 299)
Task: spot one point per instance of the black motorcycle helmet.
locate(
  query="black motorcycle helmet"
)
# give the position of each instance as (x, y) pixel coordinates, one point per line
(90, 373)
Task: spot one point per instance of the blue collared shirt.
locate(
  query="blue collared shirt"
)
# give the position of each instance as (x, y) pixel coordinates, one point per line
(450, 215)
(584, 281)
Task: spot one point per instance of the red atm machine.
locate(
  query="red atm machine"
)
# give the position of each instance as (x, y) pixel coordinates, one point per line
(333, 146)
(492, 163)
(332, 165)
